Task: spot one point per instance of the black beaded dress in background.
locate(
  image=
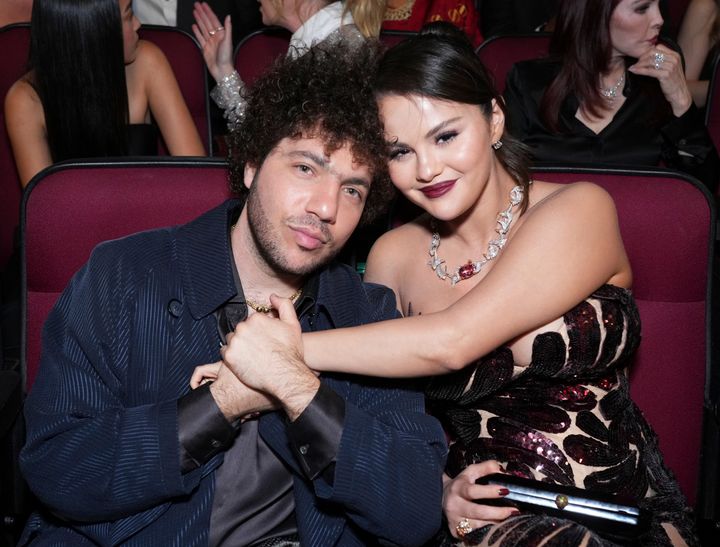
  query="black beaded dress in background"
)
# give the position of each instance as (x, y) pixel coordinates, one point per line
(567, 418)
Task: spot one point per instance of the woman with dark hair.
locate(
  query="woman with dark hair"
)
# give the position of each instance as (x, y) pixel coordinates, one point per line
(93, 89)
(610, 92)
(698, 38)
(529, 340)
(310, 21)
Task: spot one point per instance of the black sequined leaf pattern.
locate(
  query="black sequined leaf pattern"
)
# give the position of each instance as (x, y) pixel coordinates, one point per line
(587, 451)
(629, 309)
(624, 431)
(450, 387)
(614, 404)
(476, 381)
(623, 480)
(592, 425)
(494, 373)
(537, 415)
(531, 447)
(463, 423)
(548, 354)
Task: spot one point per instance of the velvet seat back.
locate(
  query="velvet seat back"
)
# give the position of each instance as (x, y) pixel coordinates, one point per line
(257, 51)
(71, 207)
(500, 53)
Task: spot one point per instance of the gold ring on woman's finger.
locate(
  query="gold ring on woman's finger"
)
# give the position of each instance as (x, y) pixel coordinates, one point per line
(215, 31)
(463, 528)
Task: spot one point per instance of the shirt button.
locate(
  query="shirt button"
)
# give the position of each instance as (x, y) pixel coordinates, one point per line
(304, 449)
(175, 308)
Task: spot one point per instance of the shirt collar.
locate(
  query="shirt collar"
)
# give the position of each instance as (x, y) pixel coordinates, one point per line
(205, 260)
(318, 27)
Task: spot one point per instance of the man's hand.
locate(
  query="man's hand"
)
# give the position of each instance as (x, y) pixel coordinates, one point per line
(267, 354)
(234, 399)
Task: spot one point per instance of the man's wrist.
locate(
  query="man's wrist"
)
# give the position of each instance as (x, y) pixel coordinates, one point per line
(225, 401)
(296, 392)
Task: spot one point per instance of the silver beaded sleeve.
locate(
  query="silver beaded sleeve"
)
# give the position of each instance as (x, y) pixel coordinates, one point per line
(229, 95)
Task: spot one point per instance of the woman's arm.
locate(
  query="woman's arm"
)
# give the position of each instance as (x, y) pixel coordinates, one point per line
(695, 42)
(568, 246)
(166, 103)
(25, 121)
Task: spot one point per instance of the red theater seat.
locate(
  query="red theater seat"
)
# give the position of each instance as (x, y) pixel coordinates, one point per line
(71, 207)
(500, 53)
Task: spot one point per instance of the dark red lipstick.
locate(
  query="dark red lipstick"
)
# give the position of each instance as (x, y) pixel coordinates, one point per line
(438, 189)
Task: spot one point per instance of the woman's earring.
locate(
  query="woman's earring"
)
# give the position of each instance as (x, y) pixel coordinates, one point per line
(497, 144)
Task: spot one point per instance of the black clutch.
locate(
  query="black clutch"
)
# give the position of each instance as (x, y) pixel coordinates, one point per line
(608, 516)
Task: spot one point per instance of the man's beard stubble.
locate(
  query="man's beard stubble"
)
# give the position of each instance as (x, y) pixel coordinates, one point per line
(270, 249)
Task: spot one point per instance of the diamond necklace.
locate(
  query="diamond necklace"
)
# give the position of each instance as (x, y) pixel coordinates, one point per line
(466, 271)
(611, 92)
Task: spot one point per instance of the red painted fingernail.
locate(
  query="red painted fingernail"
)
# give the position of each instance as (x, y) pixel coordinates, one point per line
(515, 513)
(503, 491)
(502, 469)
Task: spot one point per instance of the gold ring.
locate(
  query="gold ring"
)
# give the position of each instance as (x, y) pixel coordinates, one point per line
(463, 528)
(215, 30)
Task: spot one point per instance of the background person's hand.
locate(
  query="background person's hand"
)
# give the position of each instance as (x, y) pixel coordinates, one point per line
(665, 65)
(215, 40)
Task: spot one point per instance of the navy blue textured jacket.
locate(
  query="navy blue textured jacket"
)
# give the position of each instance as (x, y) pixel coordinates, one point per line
(118, 350)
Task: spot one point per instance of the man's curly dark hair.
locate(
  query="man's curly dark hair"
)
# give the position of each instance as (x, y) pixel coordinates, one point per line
(325, 93)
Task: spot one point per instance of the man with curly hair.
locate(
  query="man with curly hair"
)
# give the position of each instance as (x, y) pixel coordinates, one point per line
(121, 451)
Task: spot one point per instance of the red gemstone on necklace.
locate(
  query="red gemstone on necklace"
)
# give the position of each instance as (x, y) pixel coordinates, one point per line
(466, 271)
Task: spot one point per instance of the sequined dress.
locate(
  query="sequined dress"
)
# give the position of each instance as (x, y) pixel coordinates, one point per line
(566, 418)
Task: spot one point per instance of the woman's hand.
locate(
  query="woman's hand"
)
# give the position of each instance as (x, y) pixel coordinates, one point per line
(204, 373)
(215, 40)
(665, 65)
(459, 495)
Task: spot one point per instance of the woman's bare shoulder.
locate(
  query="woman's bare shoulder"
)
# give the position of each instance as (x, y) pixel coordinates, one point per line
(576, 197)
(22, 102)
(22, 92)
(149, 58)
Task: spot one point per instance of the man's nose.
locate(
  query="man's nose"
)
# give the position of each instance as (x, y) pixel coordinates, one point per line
(323, 201)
